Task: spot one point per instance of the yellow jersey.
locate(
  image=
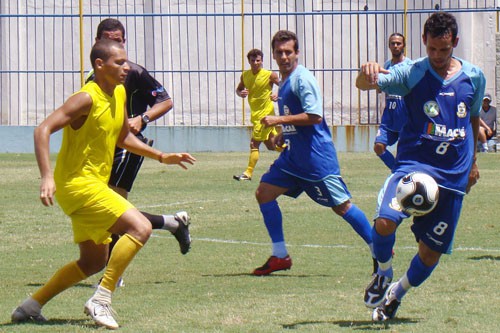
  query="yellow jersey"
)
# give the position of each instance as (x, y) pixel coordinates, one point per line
(259, 93)
(86, 155)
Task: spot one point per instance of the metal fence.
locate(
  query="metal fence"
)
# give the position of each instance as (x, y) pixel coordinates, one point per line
(197, 49)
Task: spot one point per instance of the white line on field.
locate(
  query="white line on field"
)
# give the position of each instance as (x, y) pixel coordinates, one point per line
(335, 246)
(182, 203)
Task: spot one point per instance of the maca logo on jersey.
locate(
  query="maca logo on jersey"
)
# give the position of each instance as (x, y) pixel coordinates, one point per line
(443, 132)
(431, 108)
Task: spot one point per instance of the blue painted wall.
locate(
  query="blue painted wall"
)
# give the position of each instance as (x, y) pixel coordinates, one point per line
(19, 139)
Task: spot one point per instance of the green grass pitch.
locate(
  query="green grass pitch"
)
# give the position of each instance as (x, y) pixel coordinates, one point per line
(211, 289)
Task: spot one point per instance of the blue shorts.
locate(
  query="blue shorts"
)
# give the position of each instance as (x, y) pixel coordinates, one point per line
(330, 191)
(386, 136)
(436, 229)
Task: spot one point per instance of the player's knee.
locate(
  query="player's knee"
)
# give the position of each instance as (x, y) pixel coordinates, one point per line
(143, 231)
(263, 196)
(428, 256)
(379, 149)
(385, 227)
(342, 209)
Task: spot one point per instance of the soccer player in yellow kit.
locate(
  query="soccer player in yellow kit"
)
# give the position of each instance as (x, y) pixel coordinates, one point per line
(94, 121)
(256, 84)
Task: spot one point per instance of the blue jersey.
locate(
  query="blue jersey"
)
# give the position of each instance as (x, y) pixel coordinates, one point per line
(310, 153)
(437, 137)
(394, 115)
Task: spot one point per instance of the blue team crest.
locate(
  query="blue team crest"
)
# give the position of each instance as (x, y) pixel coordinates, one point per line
(286, 110)
(461, 110)
(431, 108)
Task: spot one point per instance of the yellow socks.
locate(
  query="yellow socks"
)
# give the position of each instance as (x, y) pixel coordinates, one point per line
(64, 278)
(124, 251)
(252, 162)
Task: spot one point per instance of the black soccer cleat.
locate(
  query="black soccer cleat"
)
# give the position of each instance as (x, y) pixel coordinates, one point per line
(182, 233)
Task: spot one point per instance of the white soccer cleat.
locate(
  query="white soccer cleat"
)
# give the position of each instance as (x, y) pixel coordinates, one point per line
(101, 313)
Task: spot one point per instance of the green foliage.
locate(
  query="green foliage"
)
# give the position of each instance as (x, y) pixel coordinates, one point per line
(211, 290)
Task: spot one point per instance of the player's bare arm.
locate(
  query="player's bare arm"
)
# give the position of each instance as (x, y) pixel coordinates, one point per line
(274, 80)
(474, 172)
(301, 119)
(155, 112)
(241, 90)
(73, 112)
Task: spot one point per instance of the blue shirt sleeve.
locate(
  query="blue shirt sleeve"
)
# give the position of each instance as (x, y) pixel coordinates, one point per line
(399, 80)
(305, 87)
(479, 82)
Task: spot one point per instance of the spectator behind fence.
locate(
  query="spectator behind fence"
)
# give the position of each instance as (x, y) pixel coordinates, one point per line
(487, 124)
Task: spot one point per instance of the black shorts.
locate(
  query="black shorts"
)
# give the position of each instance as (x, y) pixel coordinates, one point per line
(126, 165)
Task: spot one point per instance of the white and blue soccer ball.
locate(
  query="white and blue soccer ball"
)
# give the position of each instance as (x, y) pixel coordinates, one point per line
(417, 193)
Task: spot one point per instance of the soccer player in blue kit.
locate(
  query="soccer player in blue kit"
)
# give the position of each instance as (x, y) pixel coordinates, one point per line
(309, 161)
(443, 95)
(394, 115)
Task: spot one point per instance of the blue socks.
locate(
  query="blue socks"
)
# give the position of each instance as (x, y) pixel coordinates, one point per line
(358, 221)
(388, 159)
(383, 245)
(418, 271)
(274, 224)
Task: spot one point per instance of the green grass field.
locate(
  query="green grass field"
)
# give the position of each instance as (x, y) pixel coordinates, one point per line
(211, 289)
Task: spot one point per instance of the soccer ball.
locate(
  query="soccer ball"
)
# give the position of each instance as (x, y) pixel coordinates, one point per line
(417, 193)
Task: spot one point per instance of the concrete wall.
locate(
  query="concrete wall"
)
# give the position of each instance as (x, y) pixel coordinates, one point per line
(19, 139)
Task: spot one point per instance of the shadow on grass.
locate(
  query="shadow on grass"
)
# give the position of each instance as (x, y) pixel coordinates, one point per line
(267, 276)
(485, 257)
(356, 325)
(78, 285)
(52, 322)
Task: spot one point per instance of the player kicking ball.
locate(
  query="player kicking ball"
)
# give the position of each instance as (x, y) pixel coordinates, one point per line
(443, 95)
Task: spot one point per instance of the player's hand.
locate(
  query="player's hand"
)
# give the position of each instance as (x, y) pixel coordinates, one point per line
(135, 124)
(371, 70)
(177, 158)
(473, 177)
(269, 121)
(47, 190)
(274, 97)
(243, 93)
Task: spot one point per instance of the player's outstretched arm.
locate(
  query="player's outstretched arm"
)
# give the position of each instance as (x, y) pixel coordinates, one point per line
(368, 76)
(131, 143)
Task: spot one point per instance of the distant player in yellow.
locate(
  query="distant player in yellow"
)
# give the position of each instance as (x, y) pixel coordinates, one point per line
(94, 120)
(257, 83)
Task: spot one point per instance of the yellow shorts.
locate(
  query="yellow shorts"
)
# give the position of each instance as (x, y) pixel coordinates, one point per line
(261, 133)
(93, 209)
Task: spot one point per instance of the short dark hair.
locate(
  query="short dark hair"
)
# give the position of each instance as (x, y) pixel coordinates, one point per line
(397, 34)
(285, 36)
(254, 53)
(441, 24)
(109, 24)
(102, 50)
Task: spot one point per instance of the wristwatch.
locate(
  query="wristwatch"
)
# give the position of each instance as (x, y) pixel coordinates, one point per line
(145, 118)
